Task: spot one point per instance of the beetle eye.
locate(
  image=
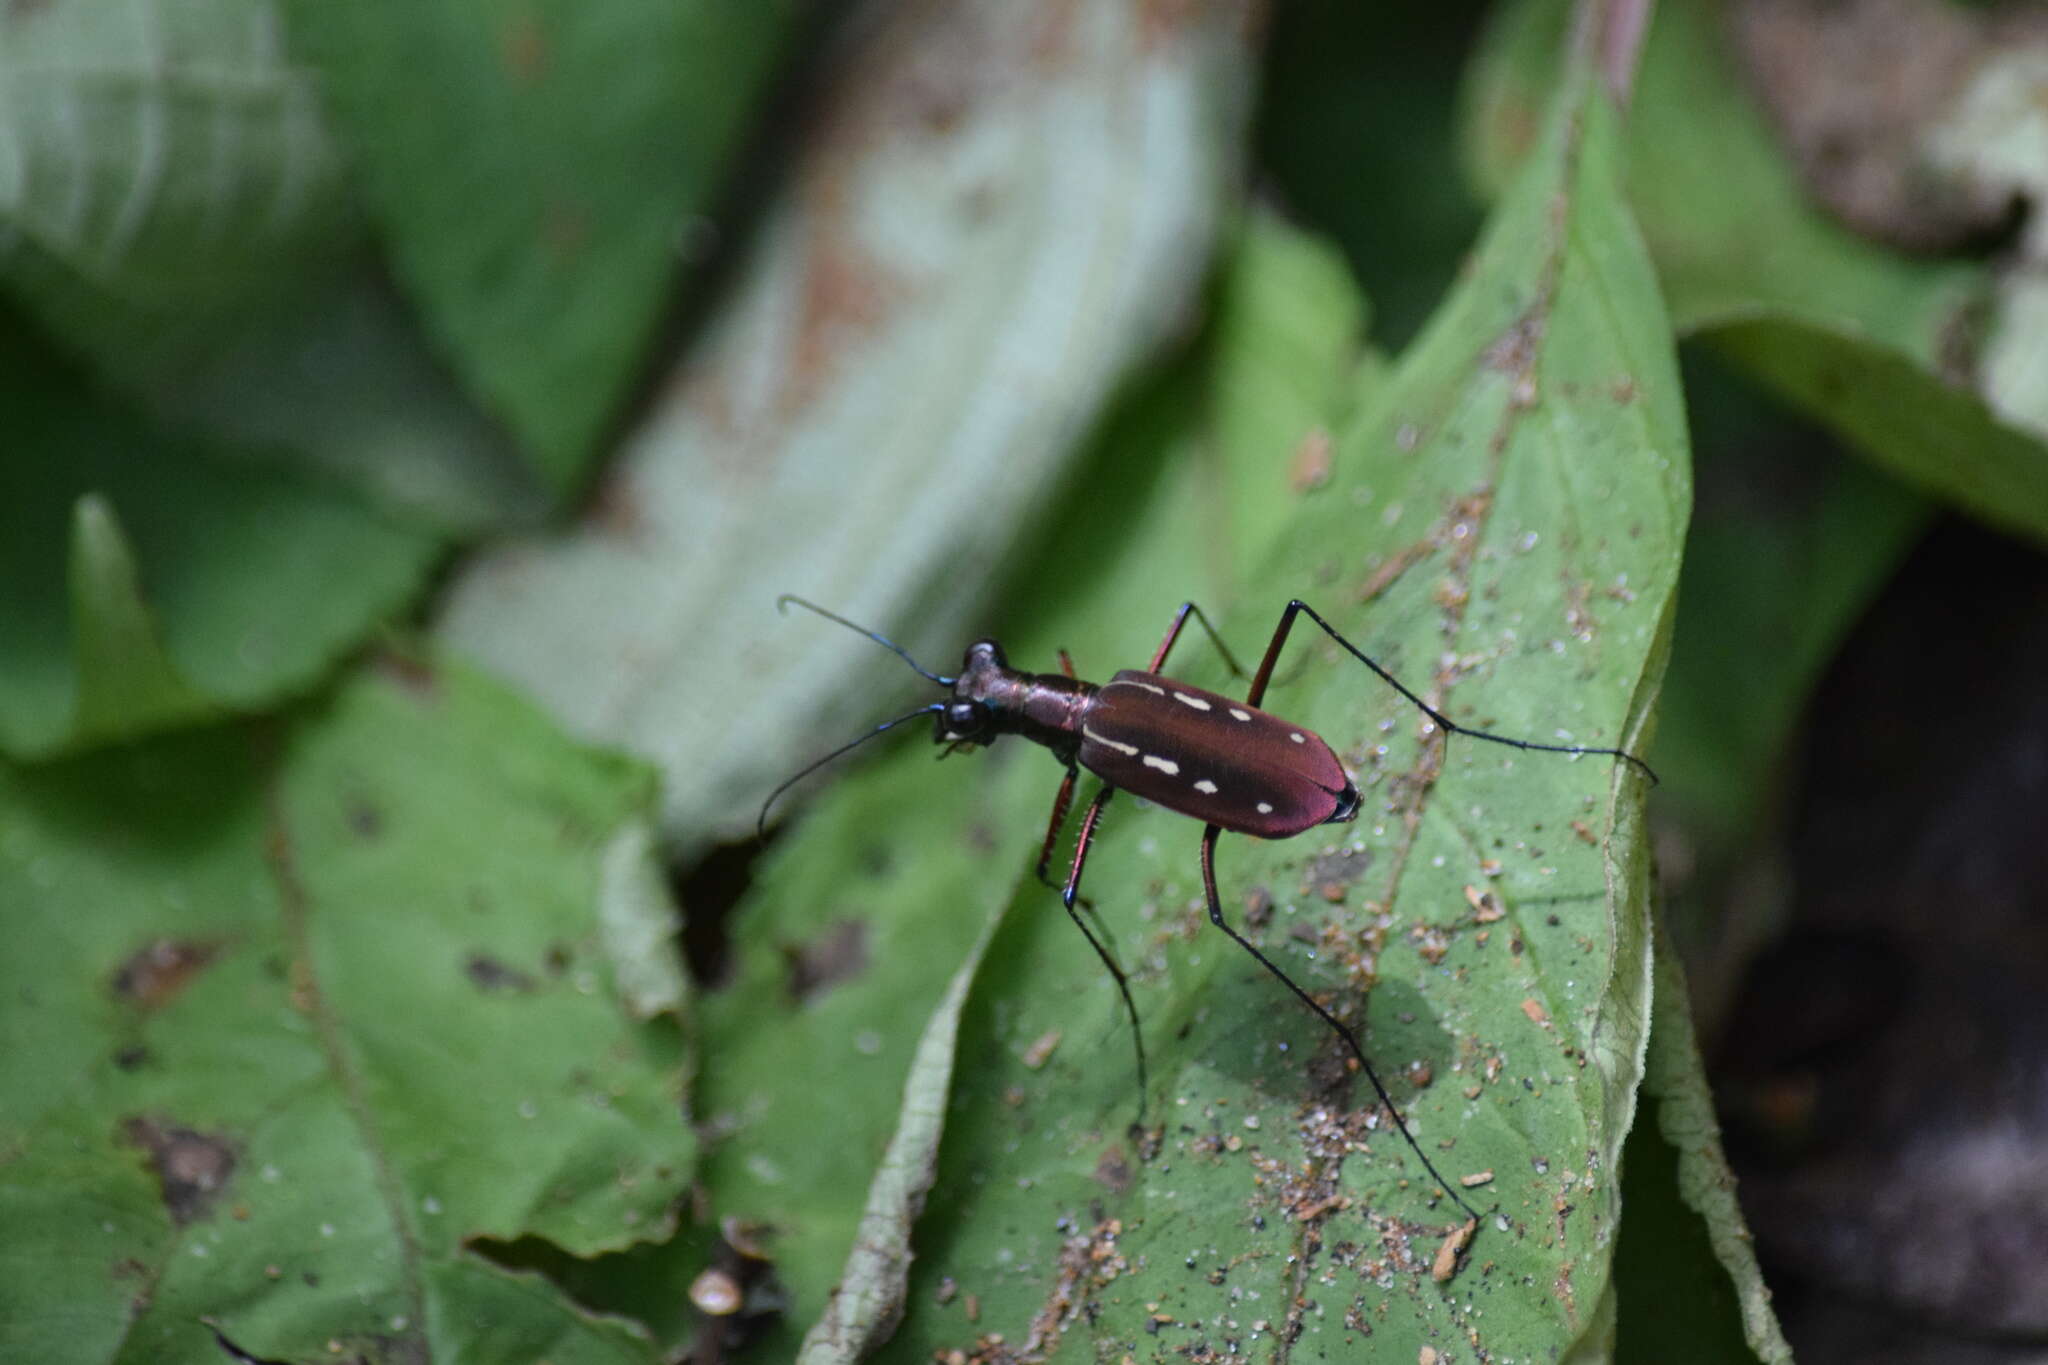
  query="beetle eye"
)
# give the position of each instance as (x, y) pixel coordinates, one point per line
(966, 718)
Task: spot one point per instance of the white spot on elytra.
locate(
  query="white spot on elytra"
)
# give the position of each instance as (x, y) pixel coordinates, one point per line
(1165, 765)
(1195, 702)
(1206, 787)
(1240, 715)
(1296, 737)
(1265, 808)
(1133, 682)
(1110, 743)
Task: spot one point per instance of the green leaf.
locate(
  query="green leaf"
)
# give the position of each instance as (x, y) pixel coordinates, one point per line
(530, 165)
(124, 681)
(1875, 344)
(856, 925)
(868, 1302)
(165, 161)
(1772, 588)
(1691, 1287)
(178, 215)
(193, 584)
(294, 1013)
(878, 414)
(1511, 498)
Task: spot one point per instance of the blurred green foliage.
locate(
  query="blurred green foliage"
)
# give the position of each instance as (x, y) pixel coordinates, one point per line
(346, 1009)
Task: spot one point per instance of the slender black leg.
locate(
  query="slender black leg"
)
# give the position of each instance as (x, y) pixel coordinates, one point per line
(1378, 1088)
(1180, 618)
(1070, 896)
(1449, 726)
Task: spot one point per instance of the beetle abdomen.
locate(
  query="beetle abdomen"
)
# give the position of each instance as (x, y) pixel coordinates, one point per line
(1213, 758)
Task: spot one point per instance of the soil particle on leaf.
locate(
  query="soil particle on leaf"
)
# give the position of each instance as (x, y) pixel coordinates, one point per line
(1113, 1171)
(837, 954)
(153, 976)
(1258, 908)
(1486, 907)
(1041, 1049)
(1310, 467)
(488, 973)
(715, 1292)
(1452, 1248)
(1332, 874)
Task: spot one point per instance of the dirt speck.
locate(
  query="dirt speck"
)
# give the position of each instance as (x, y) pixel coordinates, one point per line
(1446, 1263)
(1310, 467)
(837, 954)
(154, 975)
(1113, 1171)
(488, 973)
(1332, 874)
(1041, 1049)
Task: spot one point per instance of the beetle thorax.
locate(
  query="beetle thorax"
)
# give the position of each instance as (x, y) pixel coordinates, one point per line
(991, 699)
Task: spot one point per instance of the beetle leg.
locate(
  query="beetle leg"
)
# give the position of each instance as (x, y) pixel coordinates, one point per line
(1067, 664)
(1350, 1040)
(1060, 805)
(1180, 618)
(1444, 722)
(1070, 896)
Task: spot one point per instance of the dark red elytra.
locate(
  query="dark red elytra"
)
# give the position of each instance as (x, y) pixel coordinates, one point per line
(1222, 761)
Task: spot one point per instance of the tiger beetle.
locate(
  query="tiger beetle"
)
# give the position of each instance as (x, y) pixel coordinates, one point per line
(1224, 762)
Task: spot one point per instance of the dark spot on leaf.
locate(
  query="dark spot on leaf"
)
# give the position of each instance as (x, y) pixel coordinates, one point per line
(524, 49)
(557, 959)
(1113, 1171)
(191, 1167)
(132, 1057)
(1514, 350)
(835, 955)
(413, 674)
(153, 976)
(365, 820)
(487, 973)
(1258, 908)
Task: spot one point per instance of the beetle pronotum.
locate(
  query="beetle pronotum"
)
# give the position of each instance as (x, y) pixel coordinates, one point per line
(1205, 755)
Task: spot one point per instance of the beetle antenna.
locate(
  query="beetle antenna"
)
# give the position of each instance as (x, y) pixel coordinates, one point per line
(884, 641)
(761, 821)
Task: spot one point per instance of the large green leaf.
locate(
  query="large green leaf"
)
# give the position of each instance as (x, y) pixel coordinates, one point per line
(1500, 524)
(855, 930)
(1878, 345)
(176, 211)
(1691, 1287)
(532, 164)
(888, 398)
(150, 582)
(293, 1012)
